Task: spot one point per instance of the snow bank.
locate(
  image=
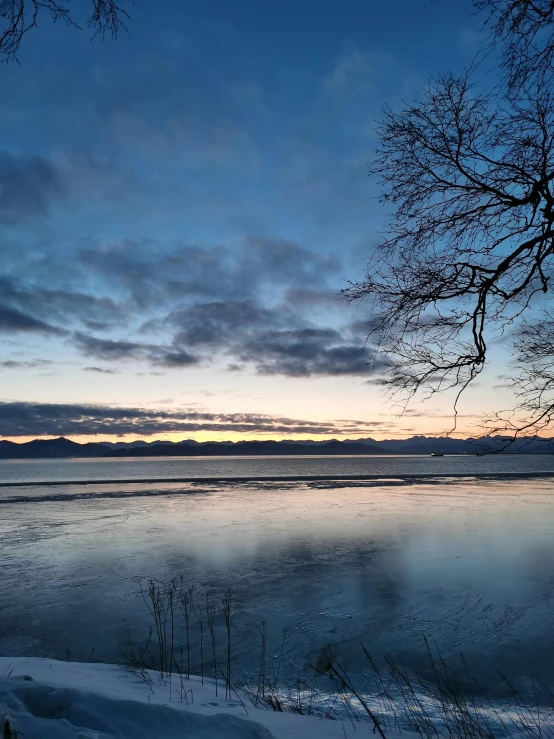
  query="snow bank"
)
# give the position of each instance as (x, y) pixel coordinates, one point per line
(38, 710)
(47, 699)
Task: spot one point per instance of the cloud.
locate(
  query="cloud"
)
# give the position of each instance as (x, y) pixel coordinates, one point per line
(147, 273)
(58, 304)
(187, 142)
(276, 341)
(435, 413)
(361, 82)
(164, 147)
(28, 185)
(100, 370)
(286, 262)
(174, 358)
(354, 75)
(269, 292)
(221, 322)
(13, 320)
(115, 350)
(150, 273)
(307, 297)
(97, 325)
(381, 382)
(108, 349)
(56, 419)
(258, 319)
(307, 352)
(31, 364)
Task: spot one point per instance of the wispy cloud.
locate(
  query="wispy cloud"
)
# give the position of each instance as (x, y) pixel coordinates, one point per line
(29, 364)
(100, 370)
(120, 350)
(272, 314)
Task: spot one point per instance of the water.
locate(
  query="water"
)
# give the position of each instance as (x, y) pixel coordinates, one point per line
(54, 470)
(464, 553)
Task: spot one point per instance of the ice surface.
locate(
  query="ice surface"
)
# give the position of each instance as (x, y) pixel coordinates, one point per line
(466, 562)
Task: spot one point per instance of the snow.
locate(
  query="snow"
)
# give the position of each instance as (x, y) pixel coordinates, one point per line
(48, 699)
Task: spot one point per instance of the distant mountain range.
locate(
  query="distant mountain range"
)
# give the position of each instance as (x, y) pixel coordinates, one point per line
(63, 448)
(50, 449)
(248, 448)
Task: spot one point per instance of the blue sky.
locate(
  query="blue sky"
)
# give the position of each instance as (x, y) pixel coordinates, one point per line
(178, 210)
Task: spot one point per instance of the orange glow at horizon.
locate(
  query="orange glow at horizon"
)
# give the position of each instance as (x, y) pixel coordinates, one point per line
(203, 436)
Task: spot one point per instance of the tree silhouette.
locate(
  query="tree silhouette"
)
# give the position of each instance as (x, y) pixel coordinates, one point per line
(468, 255)
(18, 17)
(523, 30)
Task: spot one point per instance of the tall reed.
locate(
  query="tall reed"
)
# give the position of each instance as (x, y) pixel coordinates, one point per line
(446, 703)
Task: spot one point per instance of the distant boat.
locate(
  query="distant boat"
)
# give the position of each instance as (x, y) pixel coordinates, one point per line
(437, 454)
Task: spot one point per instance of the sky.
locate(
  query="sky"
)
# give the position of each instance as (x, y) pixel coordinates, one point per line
(180, 209)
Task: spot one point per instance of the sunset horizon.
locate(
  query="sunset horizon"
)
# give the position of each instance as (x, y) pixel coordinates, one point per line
(276, 369)
(178, 239)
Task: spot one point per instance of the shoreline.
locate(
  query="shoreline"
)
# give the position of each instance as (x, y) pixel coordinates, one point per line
(373, 479)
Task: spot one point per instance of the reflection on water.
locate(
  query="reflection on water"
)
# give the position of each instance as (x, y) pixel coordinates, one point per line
(469, 563)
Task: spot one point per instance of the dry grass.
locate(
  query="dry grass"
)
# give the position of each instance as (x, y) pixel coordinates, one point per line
(447, 704)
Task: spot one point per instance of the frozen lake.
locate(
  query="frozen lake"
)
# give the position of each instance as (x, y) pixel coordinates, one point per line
(458, 548)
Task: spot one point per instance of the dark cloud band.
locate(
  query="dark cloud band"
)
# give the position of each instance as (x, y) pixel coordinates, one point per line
(57, 419)
(14, 321)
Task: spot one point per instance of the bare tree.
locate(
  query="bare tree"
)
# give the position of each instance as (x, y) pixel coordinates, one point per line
(524, 32)
(533, 381)
(469, 178)
(18, 17)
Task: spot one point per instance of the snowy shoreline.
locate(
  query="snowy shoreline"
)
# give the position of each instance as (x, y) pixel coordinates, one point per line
(42, 698)
(45, 698)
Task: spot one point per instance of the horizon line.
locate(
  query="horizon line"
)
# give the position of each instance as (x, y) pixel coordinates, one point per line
(190, 440)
